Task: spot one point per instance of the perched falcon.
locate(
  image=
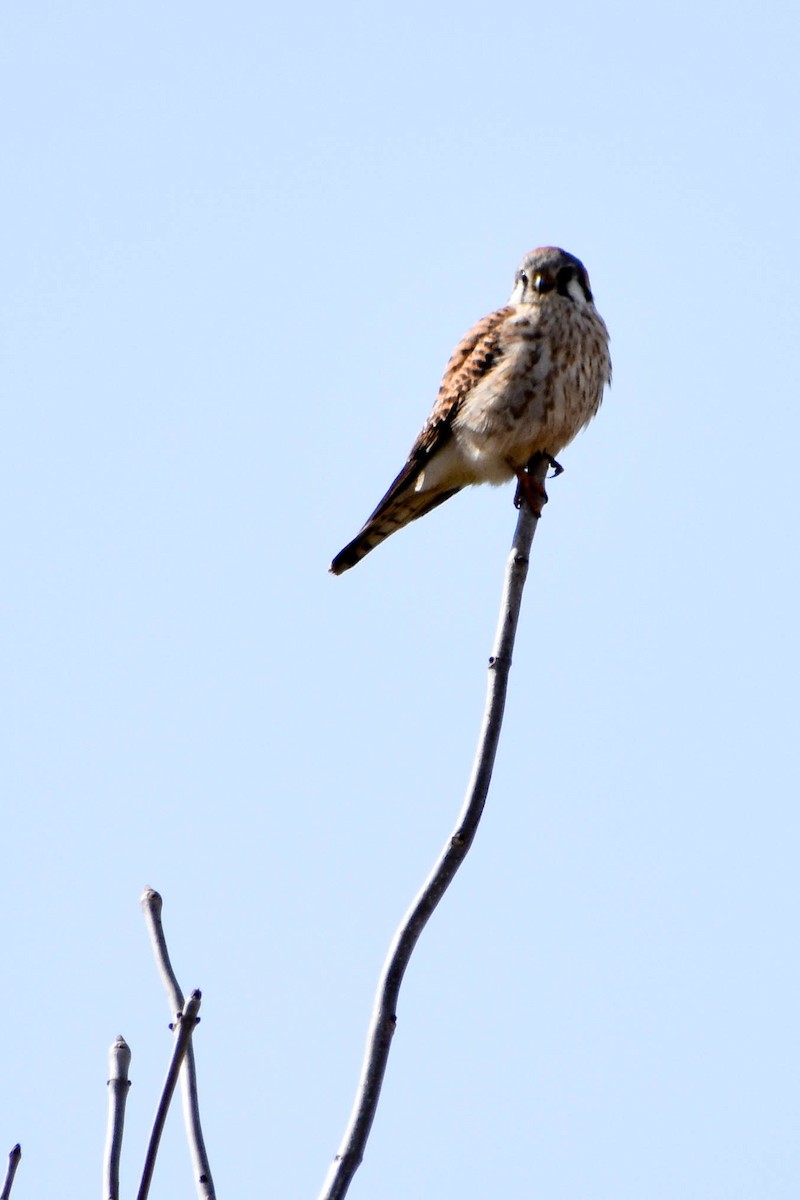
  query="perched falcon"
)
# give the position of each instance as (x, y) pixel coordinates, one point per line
(522, 382)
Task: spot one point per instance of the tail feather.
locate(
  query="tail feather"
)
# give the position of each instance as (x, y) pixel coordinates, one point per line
(386, 520)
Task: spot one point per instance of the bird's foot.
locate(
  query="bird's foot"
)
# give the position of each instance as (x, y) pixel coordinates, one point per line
(530, 490)
(529, 487)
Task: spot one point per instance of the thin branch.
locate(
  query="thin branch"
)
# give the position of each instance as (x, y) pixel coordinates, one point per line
(184, 1027)
(384, 1016)
(119, 1061)
(152, 905)
(13, 1162)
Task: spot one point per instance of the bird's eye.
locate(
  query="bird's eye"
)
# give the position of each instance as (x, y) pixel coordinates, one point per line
(543, 283)
(522, 278)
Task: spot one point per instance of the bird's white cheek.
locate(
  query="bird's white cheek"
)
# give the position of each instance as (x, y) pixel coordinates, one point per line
(576, 292)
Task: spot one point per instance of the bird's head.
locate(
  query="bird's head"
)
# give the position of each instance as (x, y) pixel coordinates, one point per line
(551, 270)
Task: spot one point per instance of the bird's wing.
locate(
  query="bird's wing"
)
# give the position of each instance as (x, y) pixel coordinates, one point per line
(473, 358)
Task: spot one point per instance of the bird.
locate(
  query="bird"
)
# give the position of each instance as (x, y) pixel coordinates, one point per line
(522, 383)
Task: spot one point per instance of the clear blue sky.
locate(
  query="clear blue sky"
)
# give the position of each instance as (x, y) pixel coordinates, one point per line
(239, 244)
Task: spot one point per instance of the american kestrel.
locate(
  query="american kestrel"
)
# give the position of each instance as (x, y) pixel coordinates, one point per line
(522, 382)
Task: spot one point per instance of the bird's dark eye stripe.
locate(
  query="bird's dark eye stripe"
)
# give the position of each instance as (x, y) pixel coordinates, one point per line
(563, 280)
(566, 275)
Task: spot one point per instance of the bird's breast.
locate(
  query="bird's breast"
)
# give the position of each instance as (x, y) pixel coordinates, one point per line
(543, 388)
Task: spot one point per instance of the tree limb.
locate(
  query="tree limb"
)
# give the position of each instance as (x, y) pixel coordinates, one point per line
(13, 1162)
(152, 905)
(184, 1028)
(384, 1017)
(119, 1061)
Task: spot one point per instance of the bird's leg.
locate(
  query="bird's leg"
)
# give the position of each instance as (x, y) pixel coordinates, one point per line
(529, 488)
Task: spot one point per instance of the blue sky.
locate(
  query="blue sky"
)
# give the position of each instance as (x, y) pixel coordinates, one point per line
(239, 244)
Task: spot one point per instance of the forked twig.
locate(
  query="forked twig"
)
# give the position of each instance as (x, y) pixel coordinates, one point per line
(184, 1026)
(119, 1061)
(384, 1018)
(14, 1156)
(152, 905)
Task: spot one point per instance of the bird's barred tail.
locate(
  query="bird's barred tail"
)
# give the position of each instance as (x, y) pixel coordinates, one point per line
(385, 521)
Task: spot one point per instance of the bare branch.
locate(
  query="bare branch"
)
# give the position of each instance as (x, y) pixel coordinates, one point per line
(119, 1061)
(152, 905)
(384, 1017)
(184, 1028)
(13, 1162)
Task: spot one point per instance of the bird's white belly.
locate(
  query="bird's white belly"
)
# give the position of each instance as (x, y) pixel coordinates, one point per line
(499, 428)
